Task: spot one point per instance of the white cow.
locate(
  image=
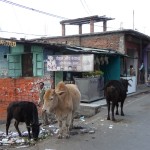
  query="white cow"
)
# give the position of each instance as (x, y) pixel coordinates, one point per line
(63, 101)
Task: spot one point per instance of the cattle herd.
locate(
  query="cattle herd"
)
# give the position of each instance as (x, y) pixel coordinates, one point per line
(63, 101)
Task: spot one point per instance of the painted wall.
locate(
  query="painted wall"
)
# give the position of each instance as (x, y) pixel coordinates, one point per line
(112, 70)
(4, 50)
(19, 89)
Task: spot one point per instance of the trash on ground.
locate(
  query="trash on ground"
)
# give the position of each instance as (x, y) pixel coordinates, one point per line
(82, 118)
(91, 131)
(13, 139)
(110, 126)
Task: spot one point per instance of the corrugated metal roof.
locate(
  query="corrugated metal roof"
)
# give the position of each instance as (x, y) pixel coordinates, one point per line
(85, 20)
(95, 50)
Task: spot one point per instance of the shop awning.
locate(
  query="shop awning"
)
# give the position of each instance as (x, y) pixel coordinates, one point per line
(94, 51)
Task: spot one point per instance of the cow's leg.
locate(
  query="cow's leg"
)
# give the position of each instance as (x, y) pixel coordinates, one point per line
(117, 112)
(122, 113)
(28, 128)
(108, 107)
(68, 124)
(60, 129)
(17, 128)
(112, 111)
(8, 124)
(72, 119)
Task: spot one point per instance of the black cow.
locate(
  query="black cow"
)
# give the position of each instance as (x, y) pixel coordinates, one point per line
(115, 91)
(23, 111)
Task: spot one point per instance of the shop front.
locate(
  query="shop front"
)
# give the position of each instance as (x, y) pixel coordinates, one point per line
(129, 72)
(88, 68)
(78, 69)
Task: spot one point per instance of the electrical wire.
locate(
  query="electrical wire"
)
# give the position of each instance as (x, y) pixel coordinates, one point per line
(39, 11)
(32, 9)
(21, 33)
(84, 7)
(17, 20)
(87, 6)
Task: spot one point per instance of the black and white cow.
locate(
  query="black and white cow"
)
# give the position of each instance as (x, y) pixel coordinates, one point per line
(23, 111)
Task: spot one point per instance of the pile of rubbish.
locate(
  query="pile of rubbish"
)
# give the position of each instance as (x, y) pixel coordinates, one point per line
(13, 139)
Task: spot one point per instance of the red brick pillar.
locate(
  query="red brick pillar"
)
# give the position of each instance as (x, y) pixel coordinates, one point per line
(91, 26)
(63, 30)
(80, 28)
(104, 25)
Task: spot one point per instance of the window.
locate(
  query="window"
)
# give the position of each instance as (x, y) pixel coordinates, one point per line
(14, 66)
(25, 61)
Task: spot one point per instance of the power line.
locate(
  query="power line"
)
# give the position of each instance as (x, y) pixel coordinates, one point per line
(87, 6)
(21, 33)
(84, 7)
(39, 11)
(32, 9)
(17, 20)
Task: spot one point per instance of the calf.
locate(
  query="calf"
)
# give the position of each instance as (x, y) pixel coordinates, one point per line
(23, 111)
(116, 91)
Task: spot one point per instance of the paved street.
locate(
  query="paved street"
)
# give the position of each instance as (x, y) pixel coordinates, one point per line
(130, 132)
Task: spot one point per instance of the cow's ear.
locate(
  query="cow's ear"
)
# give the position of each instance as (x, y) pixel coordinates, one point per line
(129, 84)
(60, 92)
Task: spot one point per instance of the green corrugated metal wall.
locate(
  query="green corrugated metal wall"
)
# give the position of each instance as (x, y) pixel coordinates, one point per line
(112, 70)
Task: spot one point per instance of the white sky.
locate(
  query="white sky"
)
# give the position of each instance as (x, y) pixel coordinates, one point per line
(20, 20)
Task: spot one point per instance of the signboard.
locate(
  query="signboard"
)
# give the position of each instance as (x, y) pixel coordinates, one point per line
(8, 43)
(78, 63)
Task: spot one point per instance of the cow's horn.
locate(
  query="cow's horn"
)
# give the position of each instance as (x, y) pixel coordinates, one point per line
(130, 79)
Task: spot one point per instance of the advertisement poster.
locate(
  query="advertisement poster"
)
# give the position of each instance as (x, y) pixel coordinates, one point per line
(78, 63)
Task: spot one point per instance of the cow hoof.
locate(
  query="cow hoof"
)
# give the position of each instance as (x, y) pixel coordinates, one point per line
(67, 136)
(114, 119)
(122, 114)
(117, 113)
(108, 118)
(59, 136)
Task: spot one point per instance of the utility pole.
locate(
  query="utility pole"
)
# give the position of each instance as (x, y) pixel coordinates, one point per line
(133, 19)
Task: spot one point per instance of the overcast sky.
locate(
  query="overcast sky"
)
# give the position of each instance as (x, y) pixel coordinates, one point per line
(35, 25)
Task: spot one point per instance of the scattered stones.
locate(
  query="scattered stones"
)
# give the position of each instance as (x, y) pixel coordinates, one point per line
(91, 131)
(110, 126)
(82, 131)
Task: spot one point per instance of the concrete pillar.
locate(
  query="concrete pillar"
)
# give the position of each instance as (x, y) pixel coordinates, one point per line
(80, 28)
(91, 26)
(104, 25)
(63, 30)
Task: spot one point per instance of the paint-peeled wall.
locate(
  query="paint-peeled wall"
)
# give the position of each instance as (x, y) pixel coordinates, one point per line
(19, 89)
(4, 50)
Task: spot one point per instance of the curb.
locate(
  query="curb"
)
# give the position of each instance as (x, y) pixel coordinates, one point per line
(91, 109)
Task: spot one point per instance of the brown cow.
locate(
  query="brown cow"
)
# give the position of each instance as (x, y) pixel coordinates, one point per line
(63, 102)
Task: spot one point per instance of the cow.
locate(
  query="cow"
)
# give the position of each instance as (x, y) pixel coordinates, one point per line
(115, 91)
(63, 101)
(23, 111)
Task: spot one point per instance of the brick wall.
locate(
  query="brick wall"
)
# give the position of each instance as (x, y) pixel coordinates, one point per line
(110, 41)
(18, 90)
